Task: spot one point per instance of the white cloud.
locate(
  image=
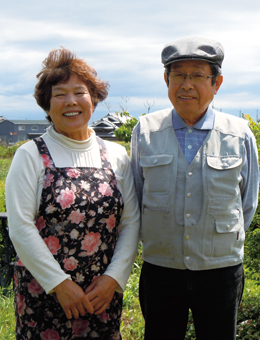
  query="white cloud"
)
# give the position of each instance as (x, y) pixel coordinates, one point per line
(123, 41)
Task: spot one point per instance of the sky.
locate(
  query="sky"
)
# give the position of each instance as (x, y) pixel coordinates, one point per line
(123, 41)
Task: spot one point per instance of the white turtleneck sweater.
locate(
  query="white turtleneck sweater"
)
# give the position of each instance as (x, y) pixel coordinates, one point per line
(24, 185)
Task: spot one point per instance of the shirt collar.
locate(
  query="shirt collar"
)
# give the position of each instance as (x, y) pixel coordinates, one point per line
(205, 123)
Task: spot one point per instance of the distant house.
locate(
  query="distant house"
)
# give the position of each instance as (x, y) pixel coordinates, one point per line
(106, 126)
(13, 131)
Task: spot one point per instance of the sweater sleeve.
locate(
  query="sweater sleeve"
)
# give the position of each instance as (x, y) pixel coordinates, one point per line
(21, 200)
(126, 247)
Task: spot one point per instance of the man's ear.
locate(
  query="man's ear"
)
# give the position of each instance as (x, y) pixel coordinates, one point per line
(219, 81)
(166, 79)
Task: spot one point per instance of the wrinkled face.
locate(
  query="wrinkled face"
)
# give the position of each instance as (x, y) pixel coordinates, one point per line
(192, 100)
(71, 108)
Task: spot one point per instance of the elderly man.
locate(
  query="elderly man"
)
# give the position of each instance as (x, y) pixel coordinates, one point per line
(196, 172)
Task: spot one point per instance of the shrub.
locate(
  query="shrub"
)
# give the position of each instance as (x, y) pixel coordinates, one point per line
(7, 152)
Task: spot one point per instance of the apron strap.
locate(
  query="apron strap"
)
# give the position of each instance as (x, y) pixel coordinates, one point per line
(103, 153)
(44, 152)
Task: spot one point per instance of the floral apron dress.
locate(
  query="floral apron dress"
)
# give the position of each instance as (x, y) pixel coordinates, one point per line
(78, 219)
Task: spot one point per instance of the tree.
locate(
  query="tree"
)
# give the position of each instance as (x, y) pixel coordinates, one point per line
(125, 131)
(149, 105)
(107, 105)
(124, 109)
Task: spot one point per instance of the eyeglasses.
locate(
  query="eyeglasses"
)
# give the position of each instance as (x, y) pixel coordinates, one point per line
(195, 77)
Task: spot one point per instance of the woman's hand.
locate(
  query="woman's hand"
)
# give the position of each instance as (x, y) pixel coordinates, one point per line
(100, 292)
(72, 299)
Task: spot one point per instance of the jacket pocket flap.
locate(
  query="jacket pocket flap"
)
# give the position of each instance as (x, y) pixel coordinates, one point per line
(224, 162)
(155, 160)
(227, 226)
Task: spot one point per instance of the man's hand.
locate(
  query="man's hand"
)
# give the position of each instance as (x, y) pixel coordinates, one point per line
(100, 292)
(72, 299)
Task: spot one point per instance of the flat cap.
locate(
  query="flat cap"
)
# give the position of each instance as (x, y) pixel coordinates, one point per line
(193, 48)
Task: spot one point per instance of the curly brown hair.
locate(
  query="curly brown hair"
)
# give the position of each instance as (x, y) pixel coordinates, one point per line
(57, 68)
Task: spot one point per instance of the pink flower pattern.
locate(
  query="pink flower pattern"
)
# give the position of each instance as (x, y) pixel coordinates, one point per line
(66, 198)
(50, 334)
(111, 222)
(53, 244)
(80, 327)
(72, 172)
(70, 263)
(78, 220)
(47, 180)
(91, 243)
(20, 301)
(105, 189)
(35, 288)
(40, 223)
(76, 216)
(47, 161)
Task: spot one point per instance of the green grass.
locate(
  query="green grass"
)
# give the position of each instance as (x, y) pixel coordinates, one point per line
(132, 327)
(7, 319)
(4, 166)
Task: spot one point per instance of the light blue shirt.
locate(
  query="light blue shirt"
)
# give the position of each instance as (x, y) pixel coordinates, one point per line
(190, 139)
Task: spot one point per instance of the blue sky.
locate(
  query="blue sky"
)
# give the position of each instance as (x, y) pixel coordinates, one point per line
(123, 40)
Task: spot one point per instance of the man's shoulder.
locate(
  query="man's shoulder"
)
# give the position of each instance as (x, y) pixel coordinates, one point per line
(156, 120)
(228, 123)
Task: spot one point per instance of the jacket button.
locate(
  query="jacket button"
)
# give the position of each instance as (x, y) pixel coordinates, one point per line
(190, 174)
(187, 215)
(228, 227)
(155, 161)
(187, 258)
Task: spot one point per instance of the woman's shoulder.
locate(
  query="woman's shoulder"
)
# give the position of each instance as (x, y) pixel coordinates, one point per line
(27, 154)
(115, 147)
(27, 148)
(118, 157)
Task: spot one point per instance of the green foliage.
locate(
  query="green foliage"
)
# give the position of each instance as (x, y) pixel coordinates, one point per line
(125, 131)
(252, 242)
(248, 320)
(252, 253)
(255, 127)
(4, 167)
(7, 152)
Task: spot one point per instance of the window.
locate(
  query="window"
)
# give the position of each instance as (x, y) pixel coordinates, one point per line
(34, 128)
(21, 127)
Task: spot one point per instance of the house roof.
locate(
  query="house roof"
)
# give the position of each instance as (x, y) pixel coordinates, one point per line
(111, 120)
(2, 119)
(29, 121)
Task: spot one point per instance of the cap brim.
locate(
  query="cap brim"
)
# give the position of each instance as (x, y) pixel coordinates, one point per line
(191, 58)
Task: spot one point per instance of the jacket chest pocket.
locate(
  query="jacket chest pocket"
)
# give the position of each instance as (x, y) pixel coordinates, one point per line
(223, 174)
(157, 172)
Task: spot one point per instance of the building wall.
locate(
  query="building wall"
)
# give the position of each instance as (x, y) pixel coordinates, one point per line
(11, 133)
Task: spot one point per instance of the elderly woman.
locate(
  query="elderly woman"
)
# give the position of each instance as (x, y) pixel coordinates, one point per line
(72, 213)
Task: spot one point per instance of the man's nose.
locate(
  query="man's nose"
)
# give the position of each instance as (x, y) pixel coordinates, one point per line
(187, 83)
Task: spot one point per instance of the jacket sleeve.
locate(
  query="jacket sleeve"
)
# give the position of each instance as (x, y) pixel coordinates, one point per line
(21, 200)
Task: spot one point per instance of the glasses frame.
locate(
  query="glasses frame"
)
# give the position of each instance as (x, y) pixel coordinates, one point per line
(190, 76)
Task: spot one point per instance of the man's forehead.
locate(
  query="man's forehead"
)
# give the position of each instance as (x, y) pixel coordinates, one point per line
(199, 64)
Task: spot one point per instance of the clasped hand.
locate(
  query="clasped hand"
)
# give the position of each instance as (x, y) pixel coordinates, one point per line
(95, 299)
